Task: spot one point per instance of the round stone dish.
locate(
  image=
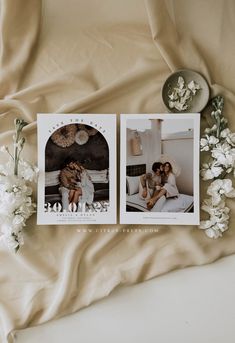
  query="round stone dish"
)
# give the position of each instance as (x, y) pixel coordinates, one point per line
(199, 100)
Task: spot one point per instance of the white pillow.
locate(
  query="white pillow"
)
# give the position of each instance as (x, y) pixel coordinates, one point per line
(132, 184)
(52, 178)
(99, 176)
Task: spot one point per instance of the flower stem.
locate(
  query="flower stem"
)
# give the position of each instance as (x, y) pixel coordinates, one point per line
(19, 124)
(218, 105)
(218, 128)
(16, 160)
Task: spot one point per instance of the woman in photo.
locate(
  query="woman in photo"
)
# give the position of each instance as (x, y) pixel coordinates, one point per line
(169, 188)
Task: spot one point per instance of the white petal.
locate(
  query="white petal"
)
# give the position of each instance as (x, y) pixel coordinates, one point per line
(205, 224)
(211, 233)
(225, 132)
(231, 194)
(181, 82)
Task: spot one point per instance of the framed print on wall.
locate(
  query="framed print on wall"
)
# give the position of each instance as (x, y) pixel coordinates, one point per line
(159, 181)
(77, 169)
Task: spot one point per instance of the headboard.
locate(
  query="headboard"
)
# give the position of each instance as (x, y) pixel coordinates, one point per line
(136, 170)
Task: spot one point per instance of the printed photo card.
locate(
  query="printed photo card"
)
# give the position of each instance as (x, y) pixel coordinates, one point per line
(159, 169)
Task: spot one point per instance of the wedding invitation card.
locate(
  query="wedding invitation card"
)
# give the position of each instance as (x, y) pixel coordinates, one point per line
(77, 169)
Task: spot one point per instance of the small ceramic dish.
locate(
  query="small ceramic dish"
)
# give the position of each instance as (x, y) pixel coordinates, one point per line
(198, 101)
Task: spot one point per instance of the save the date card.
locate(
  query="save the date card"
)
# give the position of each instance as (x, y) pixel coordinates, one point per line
(77, 163)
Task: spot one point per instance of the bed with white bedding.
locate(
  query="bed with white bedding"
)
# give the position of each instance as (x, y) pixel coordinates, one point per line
(181, 203)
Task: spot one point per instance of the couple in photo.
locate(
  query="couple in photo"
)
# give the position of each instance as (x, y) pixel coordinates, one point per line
(75, 185)
(161, 182)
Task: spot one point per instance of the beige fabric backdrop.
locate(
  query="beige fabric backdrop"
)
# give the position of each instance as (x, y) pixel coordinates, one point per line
(101, 57)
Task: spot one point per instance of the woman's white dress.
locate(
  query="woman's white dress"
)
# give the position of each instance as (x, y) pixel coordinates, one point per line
(170, 186)
(87, 196)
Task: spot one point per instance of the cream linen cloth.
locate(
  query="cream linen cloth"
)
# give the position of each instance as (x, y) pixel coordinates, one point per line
(102, 57)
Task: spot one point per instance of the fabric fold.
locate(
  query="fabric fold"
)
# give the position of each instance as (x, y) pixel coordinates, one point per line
(113, 60)
(19, 27)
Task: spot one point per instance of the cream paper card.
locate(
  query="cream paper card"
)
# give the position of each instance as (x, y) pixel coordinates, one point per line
(77, 163)
(159, 169)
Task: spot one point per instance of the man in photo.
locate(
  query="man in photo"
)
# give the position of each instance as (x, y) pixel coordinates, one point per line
(161, 182)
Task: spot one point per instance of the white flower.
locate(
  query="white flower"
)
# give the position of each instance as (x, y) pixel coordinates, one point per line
(212, 140)
(6, 169)
(217, 210)
(208, 142)
(213, 233)
(181, 95)
(18, 220)
(229, 136)
(222, 151)
(15, 208)
(10, 241)
(193, 86)
(210, 171)
(219, 189)
(204, 144)
(15, 194)
(224, 154)
(219, 218)
(206, 224)
(210, 130)
(28, 171)
(180, 105)
(211, 228)
(225, 132)
(171, 104)
(173, 96)
(218, 214)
